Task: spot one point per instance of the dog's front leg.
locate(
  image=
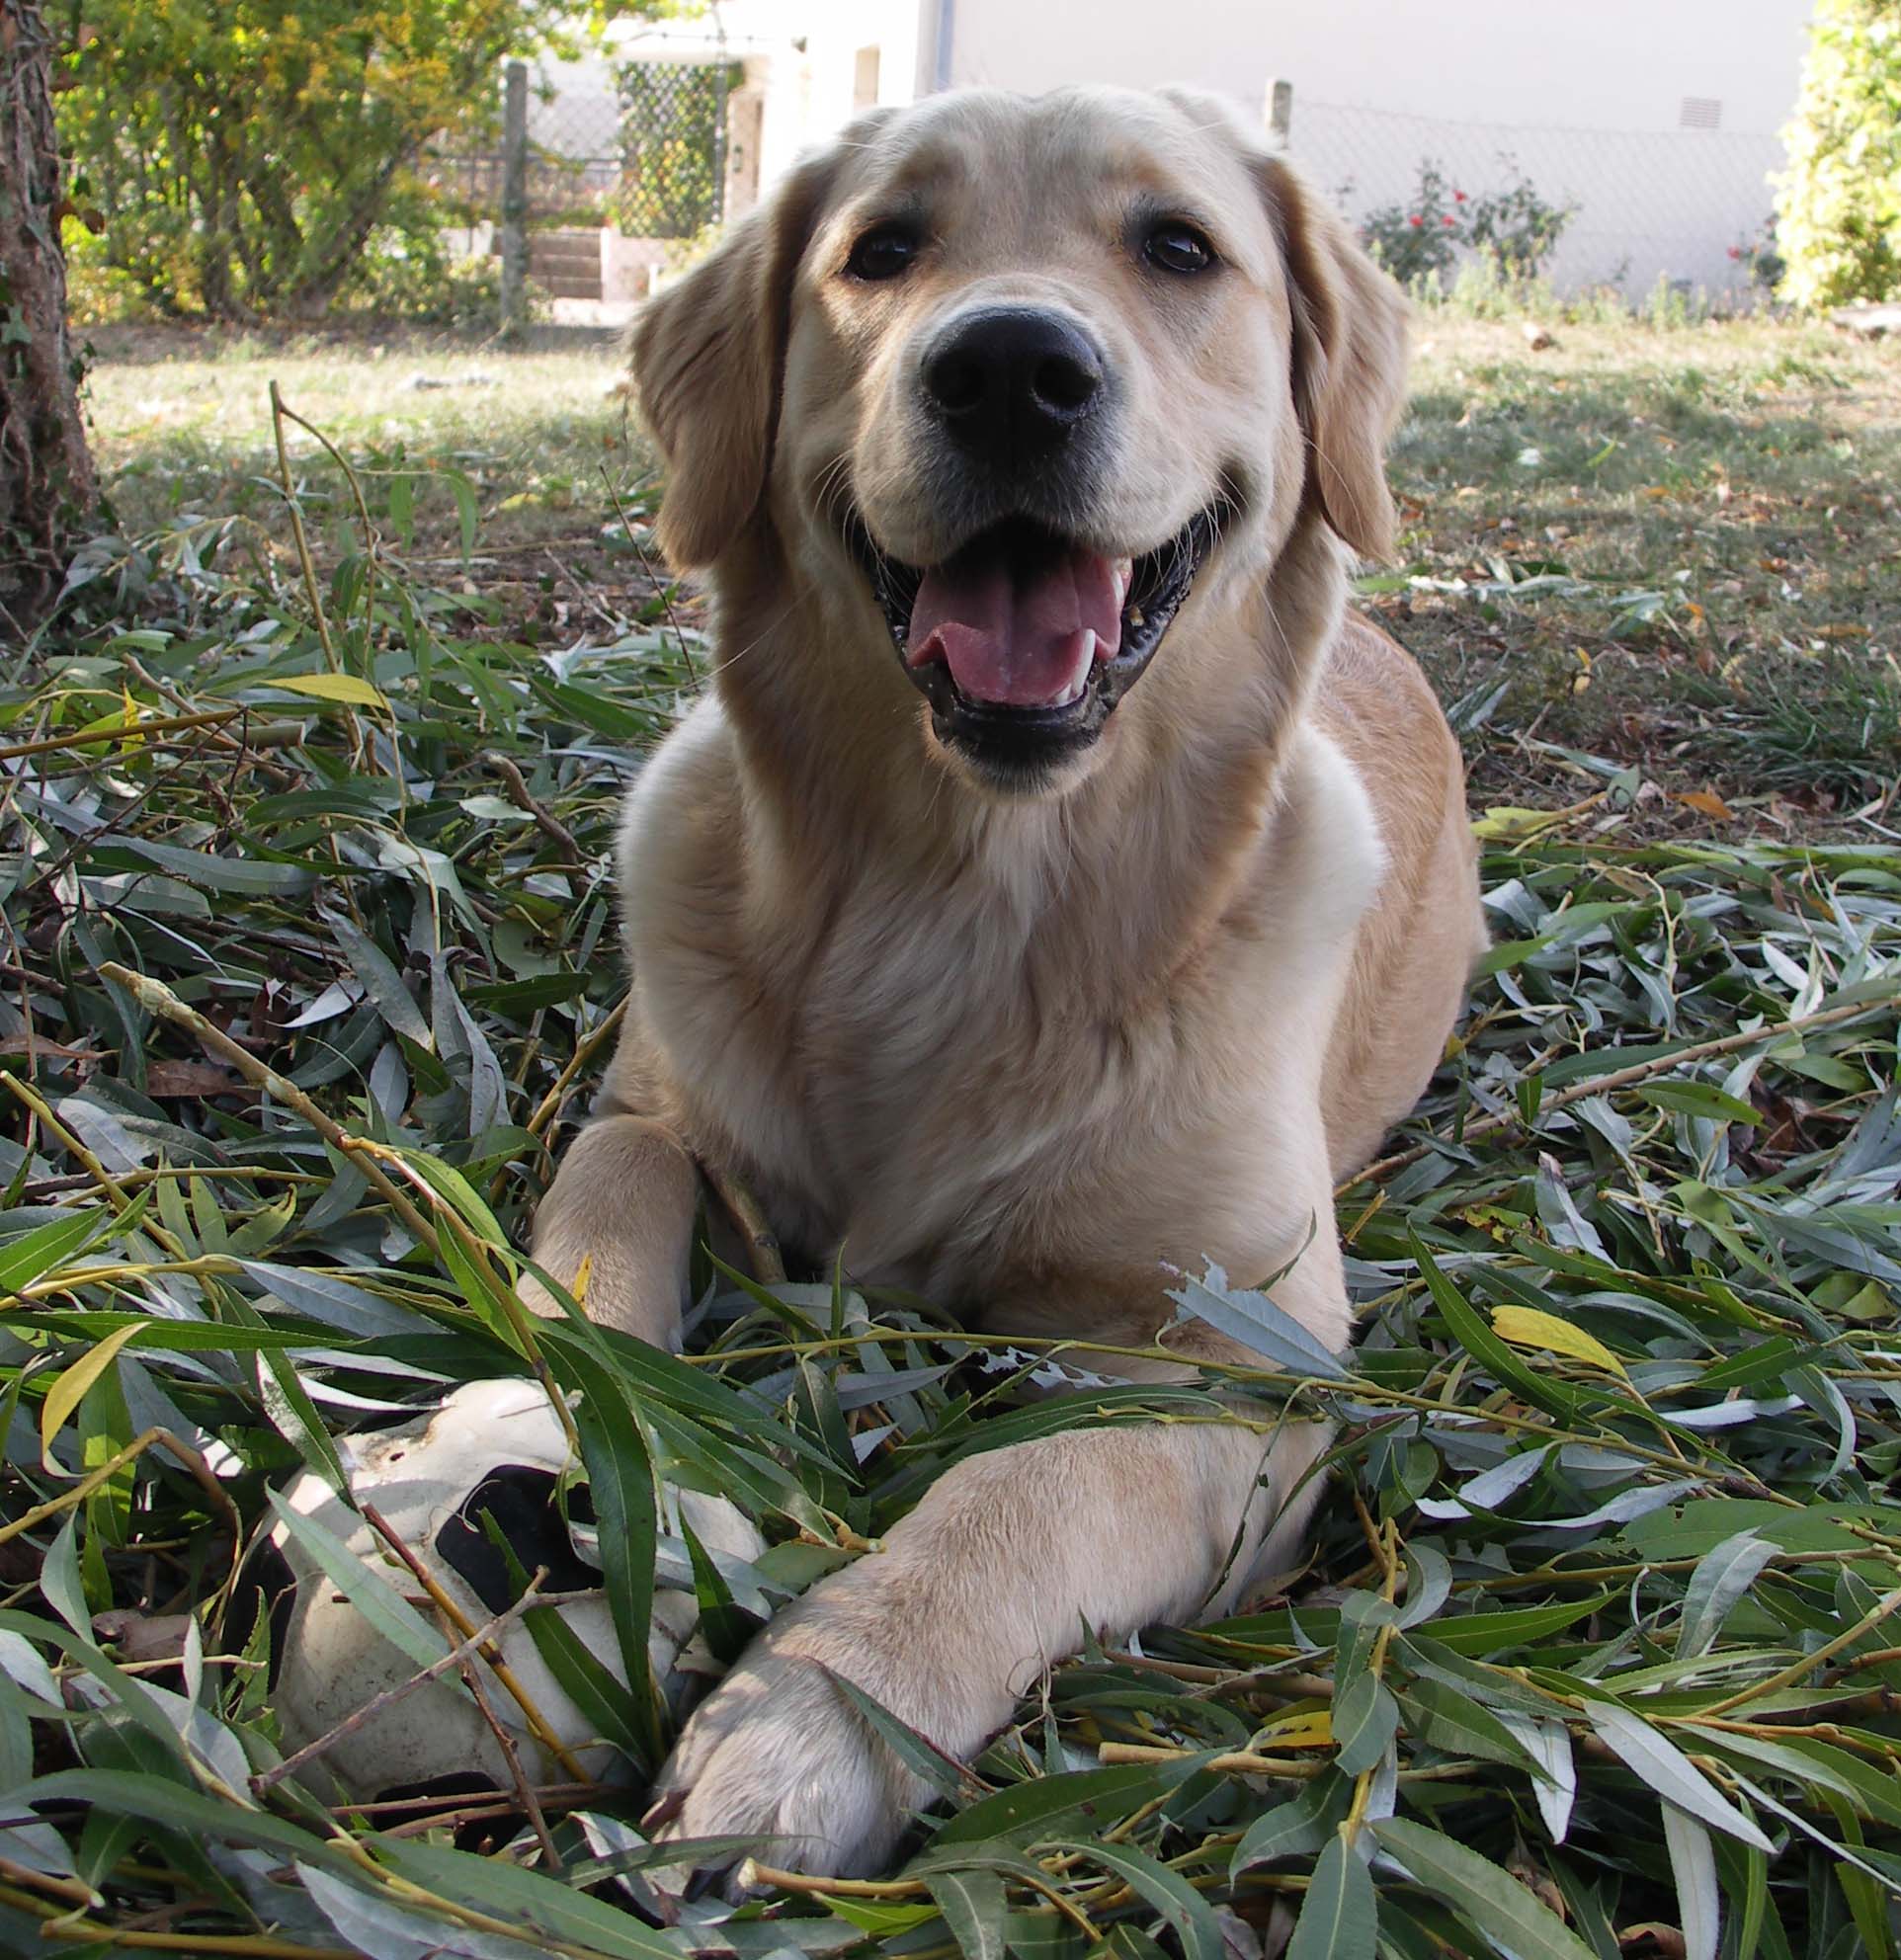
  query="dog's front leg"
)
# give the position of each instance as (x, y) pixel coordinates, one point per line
(620, 1211)
(994, 1576)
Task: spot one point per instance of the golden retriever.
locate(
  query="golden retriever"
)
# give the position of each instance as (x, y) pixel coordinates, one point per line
(1057, 884)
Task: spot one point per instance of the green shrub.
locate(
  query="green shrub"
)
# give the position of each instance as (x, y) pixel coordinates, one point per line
(1760, 256)
(246, 154)
(1516, 231)
(1512, 232)
(1422, 236)
(408, 276)
(1838, 208)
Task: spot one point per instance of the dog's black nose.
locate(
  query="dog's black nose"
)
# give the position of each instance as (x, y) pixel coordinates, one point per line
(1012, 379)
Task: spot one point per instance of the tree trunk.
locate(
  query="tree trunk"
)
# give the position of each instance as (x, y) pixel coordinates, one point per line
(45, 472)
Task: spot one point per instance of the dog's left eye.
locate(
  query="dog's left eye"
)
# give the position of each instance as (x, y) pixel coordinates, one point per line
(883, 252)
(1178, 248)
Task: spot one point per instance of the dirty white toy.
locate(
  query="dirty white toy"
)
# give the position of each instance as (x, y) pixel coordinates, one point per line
(493, 1446)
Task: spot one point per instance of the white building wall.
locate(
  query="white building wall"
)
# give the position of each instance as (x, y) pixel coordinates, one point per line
(1557, 82)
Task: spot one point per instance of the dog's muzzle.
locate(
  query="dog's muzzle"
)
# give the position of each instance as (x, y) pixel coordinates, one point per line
(1025, 640)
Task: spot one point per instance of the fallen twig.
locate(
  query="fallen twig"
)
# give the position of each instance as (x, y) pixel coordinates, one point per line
(538, 1722)
(158, 998)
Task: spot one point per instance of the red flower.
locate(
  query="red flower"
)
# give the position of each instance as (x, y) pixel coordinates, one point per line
(1448, 222)
(1414, 219)
(1735, 251)
(1458, 196)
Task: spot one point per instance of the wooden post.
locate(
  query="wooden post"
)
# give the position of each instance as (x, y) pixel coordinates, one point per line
(1280, 114)
(514, 201)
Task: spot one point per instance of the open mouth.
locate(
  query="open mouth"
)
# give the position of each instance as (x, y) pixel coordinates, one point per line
(1025, 640)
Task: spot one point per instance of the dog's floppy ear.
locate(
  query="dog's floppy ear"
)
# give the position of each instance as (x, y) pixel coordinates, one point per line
(1349, 359)
(708, 353)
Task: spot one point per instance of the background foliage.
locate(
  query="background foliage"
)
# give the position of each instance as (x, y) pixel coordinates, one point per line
(1839, 205)
(1511, 232)
(255, 158)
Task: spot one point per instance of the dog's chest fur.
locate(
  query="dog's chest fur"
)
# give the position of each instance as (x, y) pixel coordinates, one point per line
(928, 1068)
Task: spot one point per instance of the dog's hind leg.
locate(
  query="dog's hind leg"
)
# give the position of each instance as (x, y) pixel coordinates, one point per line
(621, 1212)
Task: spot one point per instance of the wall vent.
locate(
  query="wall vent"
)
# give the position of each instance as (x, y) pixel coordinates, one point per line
(1701, 111)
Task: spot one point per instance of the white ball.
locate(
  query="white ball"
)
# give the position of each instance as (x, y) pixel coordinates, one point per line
(494, 1447)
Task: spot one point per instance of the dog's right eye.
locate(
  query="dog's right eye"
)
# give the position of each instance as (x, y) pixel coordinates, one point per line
(883, 252)
(1177, 247)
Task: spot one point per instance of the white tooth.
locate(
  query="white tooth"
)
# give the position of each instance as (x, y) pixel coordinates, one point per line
(1124, 571)
(1088, 651)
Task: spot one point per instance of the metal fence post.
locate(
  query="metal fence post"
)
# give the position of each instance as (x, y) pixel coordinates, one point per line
(515, 201)
(1279, 114)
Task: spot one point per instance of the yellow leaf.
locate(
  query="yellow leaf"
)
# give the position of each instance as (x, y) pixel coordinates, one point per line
(1505, 821)
(1526, 1327)
(65, 1395)
(1313, 1730)
(1706, 803)
(104, 728)
(333, 687)
(133, 739)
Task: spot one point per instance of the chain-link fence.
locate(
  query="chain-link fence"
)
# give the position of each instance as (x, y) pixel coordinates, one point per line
(1686, 206)
(621, 167)
(605, 173)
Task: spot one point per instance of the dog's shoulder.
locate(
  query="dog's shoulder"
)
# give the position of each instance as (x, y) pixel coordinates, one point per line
(679, 851)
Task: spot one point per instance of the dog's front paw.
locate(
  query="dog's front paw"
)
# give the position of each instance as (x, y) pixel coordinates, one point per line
(781, 1754)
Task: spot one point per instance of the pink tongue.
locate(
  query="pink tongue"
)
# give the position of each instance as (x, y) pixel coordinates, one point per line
(1017, 636)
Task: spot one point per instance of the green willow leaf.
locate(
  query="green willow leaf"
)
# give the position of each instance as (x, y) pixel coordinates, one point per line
(1339, 1914)
(1492, 1900)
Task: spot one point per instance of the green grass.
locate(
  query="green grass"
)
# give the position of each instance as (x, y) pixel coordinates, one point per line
(1672, 548)
(1612, 1489)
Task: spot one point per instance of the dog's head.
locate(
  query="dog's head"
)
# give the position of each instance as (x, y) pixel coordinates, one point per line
(1029, 379)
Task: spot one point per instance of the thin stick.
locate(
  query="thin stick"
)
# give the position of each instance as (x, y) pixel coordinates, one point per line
(1245, 1763)
(268, 1778)
(1790, 1676)
(158, 998)
(75, 1926)
(664, 586)
(75, 1890)
(495, 1797)
(752, 1873)
(343, 462)
(1284, 1687)
(202, 1474)
(762, 1243)
(1601, 1084)
(454, 1614)
(165, 724)
(549, 1796)
(222, 736)
(155, 1173)
(513, 1757)
(584, 1052)
(545, 821)
(73, 1147)
(278, 413)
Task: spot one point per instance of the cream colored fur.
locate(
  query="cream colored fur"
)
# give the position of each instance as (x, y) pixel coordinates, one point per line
(1020, 1053)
